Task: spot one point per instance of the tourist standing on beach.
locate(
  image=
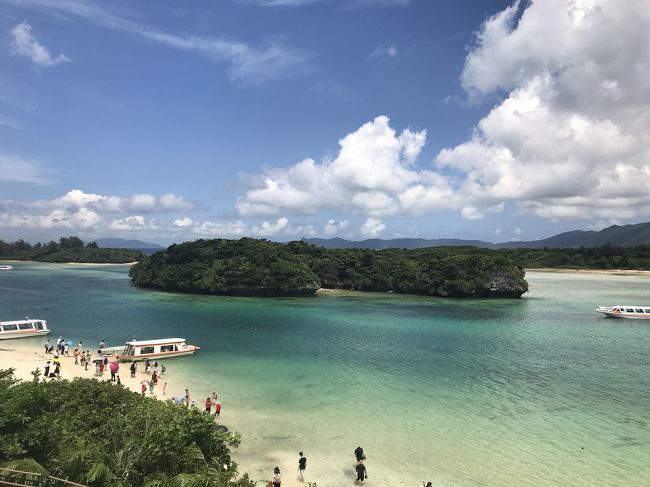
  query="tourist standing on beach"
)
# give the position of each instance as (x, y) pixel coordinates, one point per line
(47, 346)
(101, 344)
(162, 369)
(147, 364)
(214, 397)
(114, 368)
(358, 453)
(143, 388)
(164, 388)
(151, 384)
(187, 397)
(362, 474)
(208, 406)
(217, 409)
(302, 465)
(87, 358)
(133, 368)
(66, 350)
(47, 369)
(277, 478)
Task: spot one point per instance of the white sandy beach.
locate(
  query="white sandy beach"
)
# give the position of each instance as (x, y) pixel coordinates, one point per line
(25, 359)
(604, 272)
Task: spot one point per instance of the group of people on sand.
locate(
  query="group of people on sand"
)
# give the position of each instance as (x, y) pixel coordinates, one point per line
(150, 368)
(360, 469)
(276, 481)
(53, 367)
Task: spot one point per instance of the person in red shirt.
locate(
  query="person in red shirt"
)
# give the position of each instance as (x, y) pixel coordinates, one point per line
(217, 408)
(144, 389)
(208, 406)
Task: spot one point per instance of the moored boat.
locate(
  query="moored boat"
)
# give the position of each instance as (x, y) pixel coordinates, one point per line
(22, 328)
(151, 349)
(6, 267)
(625, 311)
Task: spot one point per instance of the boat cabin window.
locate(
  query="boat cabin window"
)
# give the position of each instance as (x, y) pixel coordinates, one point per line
(39, 325)
(9, 327)
(629, 310)
(647, 310)
(25, 326)
(144, 350)
(168, 348)
(639, 310)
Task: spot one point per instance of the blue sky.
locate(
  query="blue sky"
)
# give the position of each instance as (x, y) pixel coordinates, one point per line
(171, 121)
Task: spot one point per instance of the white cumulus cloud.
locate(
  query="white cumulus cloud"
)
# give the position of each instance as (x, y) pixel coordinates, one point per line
(372, 228)
(183, 222)
(372, 169)
(332, 227)
(24, 43)
(571, 137)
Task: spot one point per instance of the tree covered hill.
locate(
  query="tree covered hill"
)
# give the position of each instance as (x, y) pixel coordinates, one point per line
(263, 268)
(67, 249)
(101, 434)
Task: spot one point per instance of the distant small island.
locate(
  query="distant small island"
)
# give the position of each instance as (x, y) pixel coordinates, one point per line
(67, 249)
(250, 267)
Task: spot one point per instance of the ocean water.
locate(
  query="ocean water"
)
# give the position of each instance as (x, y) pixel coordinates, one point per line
(536, 391)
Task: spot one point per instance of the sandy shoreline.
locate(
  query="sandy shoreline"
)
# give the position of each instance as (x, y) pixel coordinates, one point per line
(604, 272)
(14, 261)
(25, 359)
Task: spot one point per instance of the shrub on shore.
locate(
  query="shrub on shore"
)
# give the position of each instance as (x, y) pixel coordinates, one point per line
(100, 434)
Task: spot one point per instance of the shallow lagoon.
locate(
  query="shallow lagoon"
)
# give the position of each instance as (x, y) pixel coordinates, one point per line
(537, 391)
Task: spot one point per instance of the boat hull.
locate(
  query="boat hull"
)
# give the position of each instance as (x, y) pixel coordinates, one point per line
(8, 335)
(153, 356)
(627, 312)
(611, 314)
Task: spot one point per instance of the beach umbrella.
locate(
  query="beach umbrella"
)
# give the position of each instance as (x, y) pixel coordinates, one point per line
(114, 366)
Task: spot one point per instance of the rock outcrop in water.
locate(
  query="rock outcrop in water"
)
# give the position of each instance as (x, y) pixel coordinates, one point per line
(249, 267)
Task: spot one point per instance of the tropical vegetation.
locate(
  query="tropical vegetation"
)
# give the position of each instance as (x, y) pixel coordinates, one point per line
(263, 268)
(67, 249)
(605, 257)
(101, 434)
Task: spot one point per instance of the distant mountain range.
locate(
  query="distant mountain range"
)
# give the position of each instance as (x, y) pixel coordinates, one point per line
(618, 236)
(120, 243)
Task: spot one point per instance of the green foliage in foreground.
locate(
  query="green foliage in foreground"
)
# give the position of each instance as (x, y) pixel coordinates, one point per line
(605, 257)
(68, 249)
(262, 268)
(101, 434)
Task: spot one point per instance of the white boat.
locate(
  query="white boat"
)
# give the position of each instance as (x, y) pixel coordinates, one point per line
(625, 311)
(150, 349)
(22, 328)
(6, 267)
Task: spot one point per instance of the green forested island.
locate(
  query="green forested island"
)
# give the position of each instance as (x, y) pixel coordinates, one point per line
(100, 434)
(263, 268)
(67, 249)
(605, 257)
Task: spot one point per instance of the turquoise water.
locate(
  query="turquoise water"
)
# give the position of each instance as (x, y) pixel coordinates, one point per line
(537, 391)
